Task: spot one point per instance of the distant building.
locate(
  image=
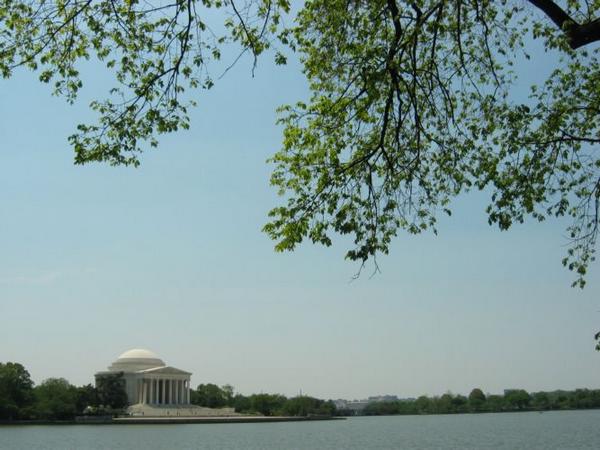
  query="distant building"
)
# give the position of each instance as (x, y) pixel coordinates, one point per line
(340, 403)
(383, 398)
(356, 405)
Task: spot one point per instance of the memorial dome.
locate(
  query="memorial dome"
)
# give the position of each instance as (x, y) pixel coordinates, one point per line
(136, 359)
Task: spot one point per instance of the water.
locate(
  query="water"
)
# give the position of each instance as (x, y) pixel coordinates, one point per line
(563, 430)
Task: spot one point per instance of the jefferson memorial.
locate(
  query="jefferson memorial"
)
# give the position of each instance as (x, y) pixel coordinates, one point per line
(149, 381)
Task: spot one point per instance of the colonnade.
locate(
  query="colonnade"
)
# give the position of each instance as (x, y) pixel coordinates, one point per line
(163, 391)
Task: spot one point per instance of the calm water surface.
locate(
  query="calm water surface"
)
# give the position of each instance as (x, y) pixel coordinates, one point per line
(550, 430)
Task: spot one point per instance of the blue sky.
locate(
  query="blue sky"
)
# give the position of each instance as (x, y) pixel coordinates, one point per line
(170, 257)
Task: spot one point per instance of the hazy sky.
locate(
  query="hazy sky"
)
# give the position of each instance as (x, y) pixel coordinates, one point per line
(96, 260)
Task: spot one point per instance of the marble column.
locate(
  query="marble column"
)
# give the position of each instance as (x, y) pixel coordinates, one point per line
(158, 391)
(165, 384)
(187, 396)
(151, 391)
(168, 392)
(162, 394)
(175, 391)
(169, 398)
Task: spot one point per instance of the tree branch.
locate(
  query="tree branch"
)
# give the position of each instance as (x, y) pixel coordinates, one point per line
(553, 11)
(578, 35)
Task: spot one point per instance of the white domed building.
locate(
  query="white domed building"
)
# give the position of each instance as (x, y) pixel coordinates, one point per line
(149, 381)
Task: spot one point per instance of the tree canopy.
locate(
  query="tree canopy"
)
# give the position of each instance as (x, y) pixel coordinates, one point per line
(411, 107)
(512, 400)
(410, 103)
(212, 396)
(16, 390)
(56, 398)
(53, 399)
(110, 390)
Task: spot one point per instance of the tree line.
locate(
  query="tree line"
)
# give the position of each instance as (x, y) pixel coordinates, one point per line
(57, 399)
(212, 396)
(478, 402)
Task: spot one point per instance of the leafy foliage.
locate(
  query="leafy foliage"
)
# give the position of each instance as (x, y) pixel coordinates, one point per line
(476, 399)
(16, 391)
(212, 396)
(267, 404)
(55, 398)
(86, 396)
(517, 398)
(512, 400)
(410, 104)
(156, 51)
(110, 390)
(305, 406)
(411, 107)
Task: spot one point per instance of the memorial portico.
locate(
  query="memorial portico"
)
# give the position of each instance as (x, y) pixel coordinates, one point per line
(148, 380)
(164, 388)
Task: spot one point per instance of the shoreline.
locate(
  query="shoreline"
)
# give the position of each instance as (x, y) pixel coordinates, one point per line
(173, 420)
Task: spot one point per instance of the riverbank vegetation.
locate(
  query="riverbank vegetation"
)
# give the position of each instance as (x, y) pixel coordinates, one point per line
(56, 399)
(478, 402)
(213, 396)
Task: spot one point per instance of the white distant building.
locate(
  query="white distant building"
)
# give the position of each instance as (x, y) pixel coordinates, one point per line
(383, 398)
(149, 381)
